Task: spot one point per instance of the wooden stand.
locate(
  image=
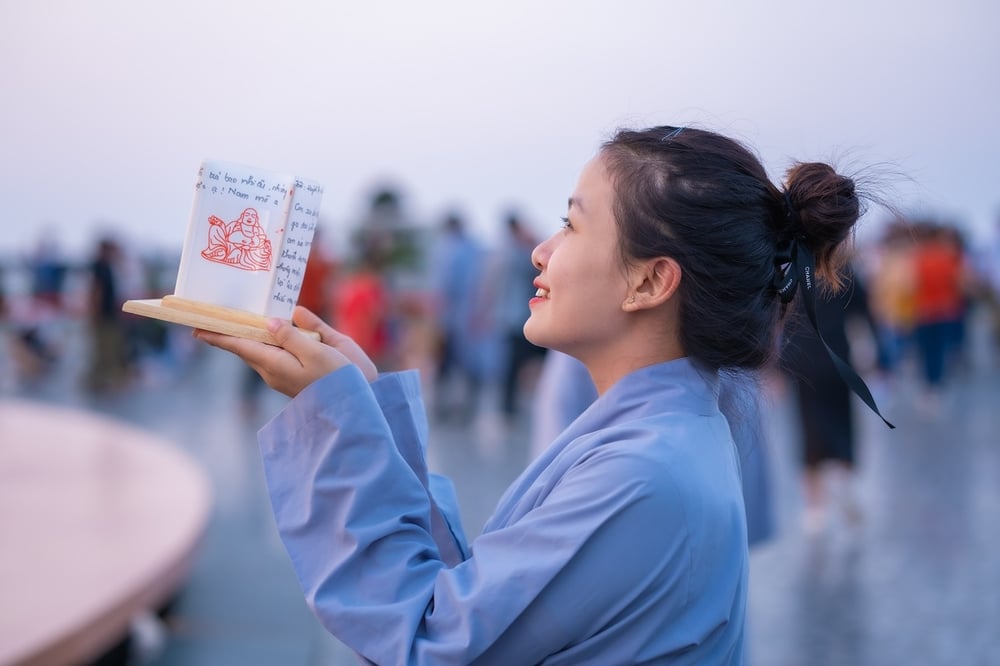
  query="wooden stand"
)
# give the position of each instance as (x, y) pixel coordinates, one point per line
(215, 318)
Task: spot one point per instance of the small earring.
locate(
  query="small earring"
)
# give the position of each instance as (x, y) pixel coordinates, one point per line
(631, 300)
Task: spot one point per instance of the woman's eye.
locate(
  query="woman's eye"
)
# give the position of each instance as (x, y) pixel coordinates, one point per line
(566, 224)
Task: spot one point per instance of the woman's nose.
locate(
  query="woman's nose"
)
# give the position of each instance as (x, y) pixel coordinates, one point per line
(540, 254)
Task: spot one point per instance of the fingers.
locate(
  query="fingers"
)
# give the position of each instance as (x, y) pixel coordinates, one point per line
(248, 350)
(331, 337)
(287, 369)
(298, 359)
(257, 355)
(305, 319)
(288, 338)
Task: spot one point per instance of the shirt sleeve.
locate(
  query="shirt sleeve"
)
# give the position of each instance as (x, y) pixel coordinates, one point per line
(355, 519)
(398, 395)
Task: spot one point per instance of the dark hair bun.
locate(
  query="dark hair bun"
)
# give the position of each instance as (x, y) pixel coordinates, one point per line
(825, 207)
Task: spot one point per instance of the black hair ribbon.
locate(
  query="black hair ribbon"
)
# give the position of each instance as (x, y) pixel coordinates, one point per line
(801, 272)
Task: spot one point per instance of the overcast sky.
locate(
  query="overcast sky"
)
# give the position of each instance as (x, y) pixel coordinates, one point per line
(108, 107)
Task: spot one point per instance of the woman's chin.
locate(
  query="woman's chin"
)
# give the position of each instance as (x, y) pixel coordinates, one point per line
(532, 334)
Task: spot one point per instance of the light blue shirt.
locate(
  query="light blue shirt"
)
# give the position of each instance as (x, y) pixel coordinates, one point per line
(565, 389)
(623, 543)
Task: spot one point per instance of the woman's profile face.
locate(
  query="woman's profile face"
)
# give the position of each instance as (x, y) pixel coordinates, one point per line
(582, 284)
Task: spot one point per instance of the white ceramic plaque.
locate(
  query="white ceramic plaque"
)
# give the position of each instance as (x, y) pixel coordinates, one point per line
(248, 239)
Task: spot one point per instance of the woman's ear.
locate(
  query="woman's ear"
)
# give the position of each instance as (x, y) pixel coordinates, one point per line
(655, 281)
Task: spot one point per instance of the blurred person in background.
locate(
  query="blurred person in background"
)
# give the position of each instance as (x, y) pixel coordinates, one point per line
(48, 273)
(385, 265)
(891, 297)
(564, 390)
(827, 431)
(676, 261)
(108, 365)
(941, 287)
(512, 283)
(34, 317)
(319, 281)
(362, 304)
(462, 320)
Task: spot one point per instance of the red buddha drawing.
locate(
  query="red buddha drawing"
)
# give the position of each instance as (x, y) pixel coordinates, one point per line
(241, 243)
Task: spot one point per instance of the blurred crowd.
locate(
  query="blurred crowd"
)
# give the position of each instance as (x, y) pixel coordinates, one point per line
(923, 281)
(413, 295)
(436, 297)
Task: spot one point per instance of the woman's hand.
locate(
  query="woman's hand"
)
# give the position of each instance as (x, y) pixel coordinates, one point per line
(299, 360)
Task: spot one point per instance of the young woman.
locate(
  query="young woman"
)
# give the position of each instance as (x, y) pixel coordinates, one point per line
(625, 541)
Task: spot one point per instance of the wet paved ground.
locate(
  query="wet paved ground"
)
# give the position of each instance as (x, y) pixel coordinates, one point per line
(917, 583)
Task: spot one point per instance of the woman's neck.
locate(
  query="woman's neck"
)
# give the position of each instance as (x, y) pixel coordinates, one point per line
(626, 355)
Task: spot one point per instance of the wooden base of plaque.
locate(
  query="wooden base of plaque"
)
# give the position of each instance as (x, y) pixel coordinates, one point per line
(207, 316)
